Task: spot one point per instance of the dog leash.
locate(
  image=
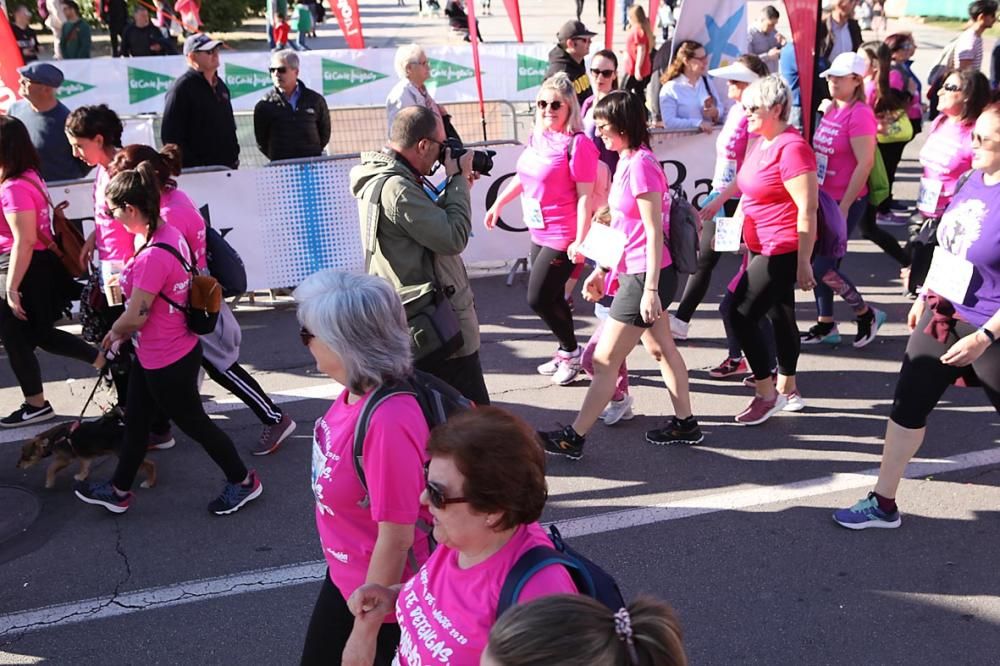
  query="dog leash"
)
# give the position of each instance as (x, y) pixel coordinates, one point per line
(90, 398)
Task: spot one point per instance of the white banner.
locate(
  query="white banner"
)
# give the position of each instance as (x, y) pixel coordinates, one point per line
(290, 221)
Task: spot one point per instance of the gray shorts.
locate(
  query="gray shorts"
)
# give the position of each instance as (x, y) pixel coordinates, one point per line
(625, 307)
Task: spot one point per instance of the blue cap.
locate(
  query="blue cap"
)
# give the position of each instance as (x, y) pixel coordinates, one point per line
(200, 42)
(42, 73)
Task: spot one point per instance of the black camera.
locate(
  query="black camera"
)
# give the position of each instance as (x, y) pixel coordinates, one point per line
(482, 160)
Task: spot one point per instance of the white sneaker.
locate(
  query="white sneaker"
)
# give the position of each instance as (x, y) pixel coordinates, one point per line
(618, 411)
(678, 328)
(795, 402)
(549, 367)
(569, 367)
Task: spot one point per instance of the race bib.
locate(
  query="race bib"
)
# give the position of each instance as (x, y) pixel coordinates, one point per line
(532, 209)
(949, 275)
(604, 245)
(930, 192)
(728, 233)
(725, 173)
(821, 164)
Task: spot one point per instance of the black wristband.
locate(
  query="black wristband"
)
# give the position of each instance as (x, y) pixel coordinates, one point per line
(988, 333)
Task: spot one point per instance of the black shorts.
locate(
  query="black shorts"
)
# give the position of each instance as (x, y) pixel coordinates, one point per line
(625, 306)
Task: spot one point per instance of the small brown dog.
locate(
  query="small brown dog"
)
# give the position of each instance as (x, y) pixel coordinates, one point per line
(83, 441)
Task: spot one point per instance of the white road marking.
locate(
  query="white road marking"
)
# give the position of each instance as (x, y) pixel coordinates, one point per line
(309, 572)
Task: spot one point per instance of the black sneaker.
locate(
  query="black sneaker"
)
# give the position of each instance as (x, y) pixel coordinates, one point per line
(676, 432)
(235, 495)
(563, 442)
(868, 326)
(26, 415)
(102, 494)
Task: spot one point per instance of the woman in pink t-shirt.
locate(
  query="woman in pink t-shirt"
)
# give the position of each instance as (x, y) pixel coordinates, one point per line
(485, 489)
(640, 210)
(372, 529)
(156, 283)
(220, 348)
(37, 289)
(555, 180)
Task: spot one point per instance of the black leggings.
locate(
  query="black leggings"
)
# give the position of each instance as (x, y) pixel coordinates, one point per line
(767, 288)
(330, 626)
(550, 270)
(892, 153)
(463, 373)
(876, 234)
(924, 378)
(697, 285)
(238, 381)
(172, 391)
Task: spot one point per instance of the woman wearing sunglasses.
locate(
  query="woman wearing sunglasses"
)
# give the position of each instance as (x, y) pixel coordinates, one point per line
(485, 490)
(356, 330)
(555, 180)
(604, 79)
(687, 100)
(945, 156)
(954, 325)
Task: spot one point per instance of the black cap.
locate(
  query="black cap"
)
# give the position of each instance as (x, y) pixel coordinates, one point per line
(572, 29)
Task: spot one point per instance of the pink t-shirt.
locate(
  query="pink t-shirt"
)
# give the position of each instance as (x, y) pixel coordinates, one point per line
(112, 241)
(871, 86)
(394, 457)
(771, 217)
(165, 337)
(730, 148)
(445, 612)
(946, 155)
(549, 176)
(177, 208)
(639, 173)
(18, 196)
(832, 142)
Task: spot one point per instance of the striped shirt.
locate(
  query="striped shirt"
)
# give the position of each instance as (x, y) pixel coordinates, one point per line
(969, 47)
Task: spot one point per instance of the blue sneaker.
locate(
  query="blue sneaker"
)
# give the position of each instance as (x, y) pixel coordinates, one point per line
(866, 514)
(102, 494)
(235, 495)
(868, 326)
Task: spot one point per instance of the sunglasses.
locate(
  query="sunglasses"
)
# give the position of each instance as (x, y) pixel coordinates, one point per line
(606, 73)
(279, 70)
(753, 109)
(110, 210)
(951, 87)
(555, 104)
(438, 499)
(980, 139)
(305, 336)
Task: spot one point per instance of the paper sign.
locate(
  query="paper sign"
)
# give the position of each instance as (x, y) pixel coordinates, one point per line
(930, 192)
(949, 275)
(532, 211)
(604, 245)
(725, 173)
(728, 234)
(821, 164)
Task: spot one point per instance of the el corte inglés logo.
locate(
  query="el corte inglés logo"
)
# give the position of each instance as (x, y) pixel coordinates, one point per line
(530, 71)
(70, 88)
(444, 73)
(243, 80)
(337, 76)
(143, 85)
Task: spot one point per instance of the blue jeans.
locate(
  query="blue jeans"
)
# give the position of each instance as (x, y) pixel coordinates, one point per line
(826, 265)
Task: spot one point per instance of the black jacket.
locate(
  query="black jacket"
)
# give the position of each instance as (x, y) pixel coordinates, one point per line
(285, 133)
(561, 61)
(137, 41)
(199, 119)
(853, 27)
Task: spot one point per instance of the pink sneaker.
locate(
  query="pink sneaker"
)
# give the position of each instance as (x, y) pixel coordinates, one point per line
(760, 409)
(729, 367)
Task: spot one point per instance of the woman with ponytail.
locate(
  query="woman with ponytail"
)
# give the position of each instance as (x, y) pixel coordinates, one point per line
(165, 377)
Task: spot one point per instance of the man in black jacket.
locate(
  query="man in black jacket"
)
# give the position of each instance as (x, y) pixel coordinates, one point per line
(573, 45)
(843, 32)
(142, 38)
(292, 120)
(198, 115)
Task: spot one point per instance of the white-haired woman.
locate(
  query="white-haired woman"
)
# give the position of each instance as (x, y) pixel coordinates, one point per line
(555, 180)
(413, 69)
(355, 328)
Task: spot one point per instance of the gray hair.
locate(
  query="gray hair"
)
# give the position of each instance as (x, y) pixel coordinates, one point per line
(562, 86)
(287, 56)
(361, 318)
(406, 55)
(767, 93)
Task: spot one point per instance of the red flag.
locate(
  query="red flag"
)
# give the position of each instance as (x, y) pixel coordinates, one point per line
(514, 12)
(474, 38)
(609, 23)
(654, 7)
(10, 60)
(803, 15)
(349, 18)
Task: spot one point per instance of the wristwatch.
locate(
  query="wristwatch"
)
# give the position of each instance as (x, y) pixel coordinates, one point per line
(988, 333)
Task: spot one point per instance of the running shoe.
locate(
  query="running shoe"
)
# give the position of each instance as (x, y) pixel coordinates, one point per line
(729, 367)
(750, 382)
(679, 329)
(102, 494)
(793, 402)
(271, 436)
(549, 367)
(569, 367)
(866, 513)
(161, 441)
(26, 415)
(821, 334)
(235, 495)
(868, 326)
(676, 432)
(760, 409)
(565, 442)
(892, 219)
(618, 410)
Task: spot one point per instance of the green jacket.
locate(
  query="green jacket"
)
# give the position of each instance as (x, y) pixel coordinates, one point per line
(303, 19)
(413, 232)
(74, 40)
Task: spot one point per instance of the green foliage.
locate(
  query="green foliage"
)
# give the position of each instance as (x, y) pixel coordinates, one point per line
(221, 15)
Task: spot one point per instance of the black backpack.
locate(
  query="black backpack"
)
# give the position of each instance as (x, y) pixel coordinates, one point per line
(685, 231)
(590, 579)
(224, 262)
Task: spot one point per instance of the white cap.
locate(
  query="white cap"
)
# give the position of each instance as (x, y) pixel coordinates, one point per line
(847, 63)
(736, 71)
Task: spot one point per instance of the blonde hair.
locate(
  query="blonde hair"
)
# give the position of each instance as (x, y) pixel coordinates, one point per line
(560, 84)
(685, 51)
(637, 16)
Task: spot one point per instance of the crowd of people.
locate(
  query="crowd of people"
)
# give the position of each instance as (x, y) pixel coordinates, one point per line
(421, 527)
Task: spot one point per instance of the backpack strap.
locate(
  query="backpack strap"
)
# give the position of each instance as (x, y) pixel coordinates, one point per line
(187, 267)
(962, 180)
(369, 233)
(530, 563)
